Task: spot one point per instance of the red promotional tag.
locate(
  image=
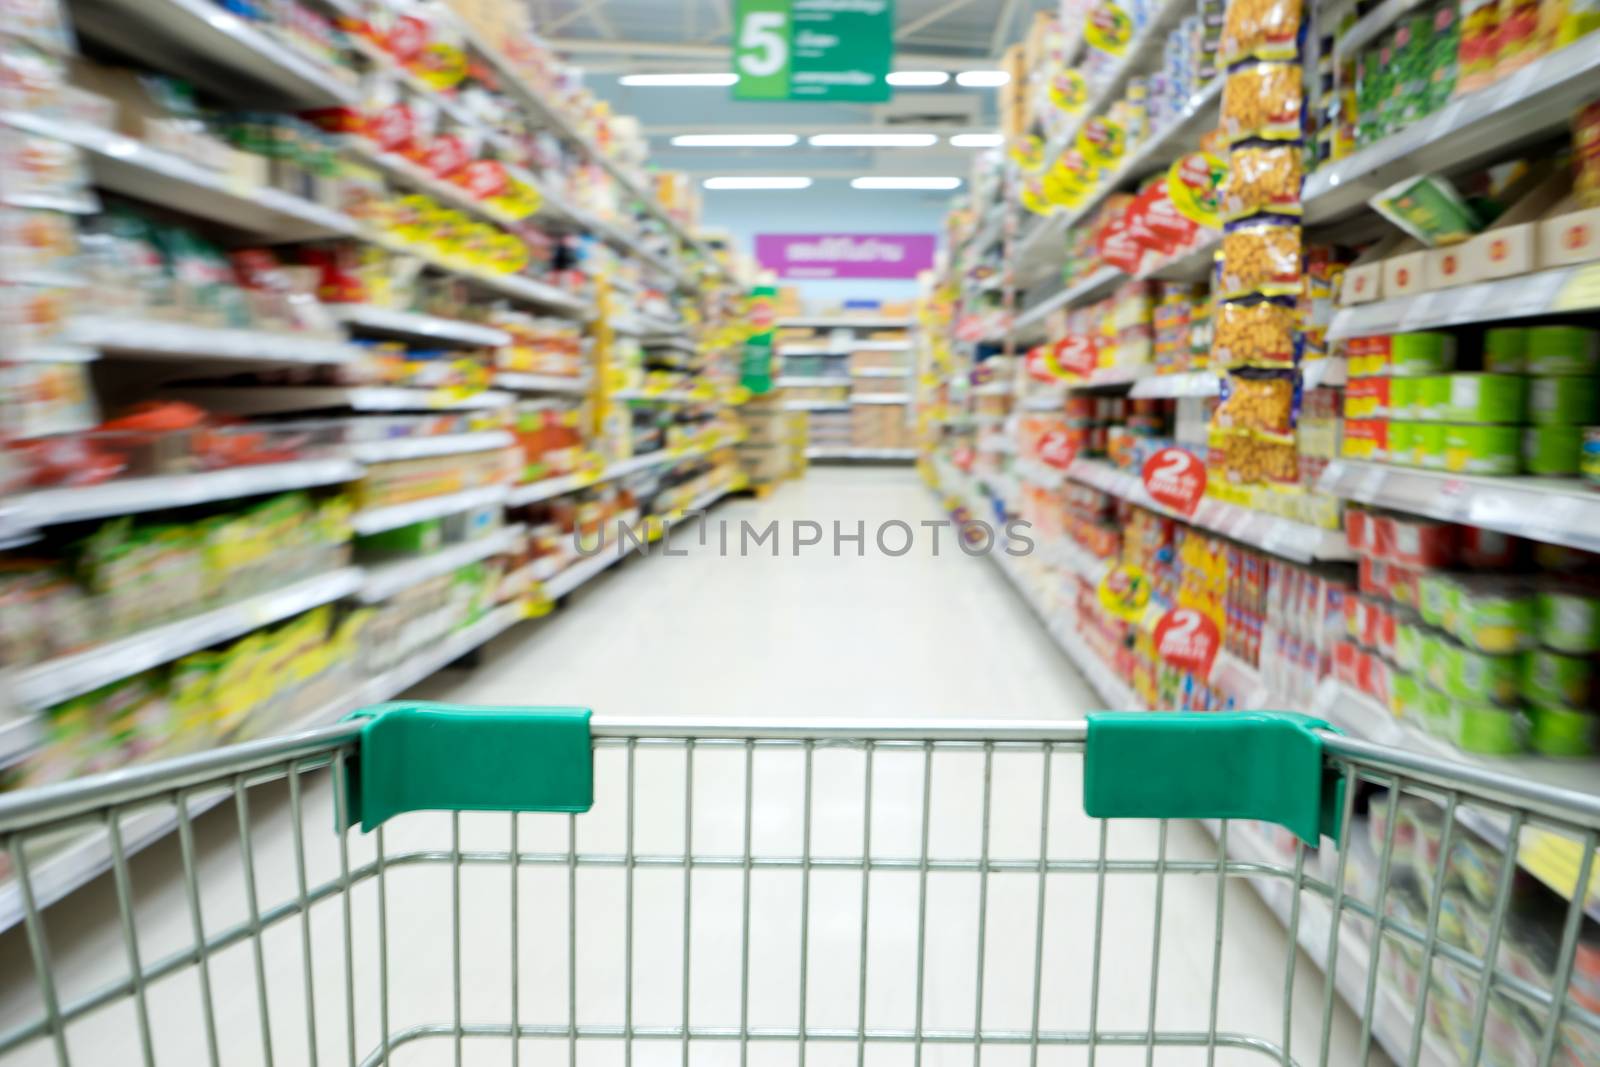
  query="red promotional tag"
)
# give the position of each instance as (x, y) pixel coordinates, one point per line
(1037, 364)
(1056, 448)
(964, 457)
(1077, 354)
(482, 178)
(446, 154)
(1175, 478)
(1187, 640)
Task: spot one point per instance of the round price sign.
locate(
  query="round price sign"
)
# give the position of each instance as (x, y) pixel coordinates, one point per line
(1176, 479)
(1187, 640)
(1057, 449)
(1194, 185)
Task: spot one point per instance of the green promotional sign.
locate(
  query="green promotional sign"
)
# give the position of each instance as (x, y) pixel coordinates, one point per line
(813, 49)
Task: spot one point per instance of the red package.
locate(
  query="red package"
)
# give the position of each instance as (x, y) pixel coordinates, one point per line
(392, 128)
(445, 155)
(1358, 530)
(1486, 549)
(1382, 536)
(1418, 542)
(1346, 659)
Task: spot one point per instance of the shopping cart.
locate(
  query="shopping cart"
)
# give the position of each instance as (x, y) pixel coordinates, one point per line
(820, 892)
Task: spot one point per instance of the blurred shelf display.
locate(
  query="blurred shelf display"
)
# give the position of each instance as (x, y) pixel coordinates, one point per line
(377, 520)
(260, 401)
(422, 327)
(821, 452)
(176, 340)
(540, 383)
(440, 445)
(383, 580)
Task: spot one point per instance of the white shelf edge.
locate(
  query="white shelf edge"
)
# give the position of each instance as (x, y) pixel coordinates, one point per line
(377, 520)
(384, 580)
(825, 452)
(64, 677)
(419, 447)
(113, 333)
(420, 325)
(519, 382)
(127, 496)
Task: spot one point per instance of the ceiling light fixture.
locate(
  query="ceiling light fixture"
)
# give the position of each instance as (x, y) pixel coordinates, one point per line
(918, 77)
(678, 81)
(873, 140)
(976, 140)
(905, 183)
(757, 183)
(735, 140)
(982, 79)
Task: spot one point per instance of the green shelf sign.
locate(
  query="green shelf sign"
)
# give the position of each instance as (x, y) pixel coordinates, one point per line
(813, 49)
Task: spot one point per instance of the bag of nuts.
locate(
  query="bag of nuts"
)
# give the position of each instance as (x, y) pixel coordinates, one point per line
(1257, 401)
(1260, 29)
(1262, 179)
(1262, 101)
(1261, 256)
(1254, 334)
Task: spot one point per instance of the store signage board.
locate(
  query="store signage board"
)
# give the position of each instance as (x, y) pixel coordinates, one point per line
(813, 49)
(846, 255)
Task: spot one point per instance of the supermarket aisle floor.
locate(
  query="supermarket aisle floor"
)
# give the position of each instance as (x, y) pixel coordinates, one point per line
(753, 637)
(814, 634)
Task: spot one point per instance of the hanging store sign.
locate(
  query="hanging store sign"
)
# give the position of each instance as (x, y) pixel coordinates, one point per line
(846, 255)
(813, 49)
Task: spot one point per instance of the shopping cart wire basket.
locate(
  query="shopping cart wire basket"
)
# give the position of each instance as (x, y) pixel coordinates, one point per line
(430, 884)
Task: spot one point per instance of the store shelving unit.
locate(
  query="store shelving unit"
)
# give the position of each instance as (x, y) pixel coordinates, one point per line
(384, 580)
(394, 516)
(1531, 104)
(850, 386)
(1563, 290)
(1561, 511)
(880, 454)
(412, 324)
(53, 681)
(129, 496)
(452, 444)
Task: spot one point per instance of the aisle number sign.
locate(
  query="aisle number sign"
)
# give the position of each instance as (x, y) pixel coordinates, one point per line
(813, 49)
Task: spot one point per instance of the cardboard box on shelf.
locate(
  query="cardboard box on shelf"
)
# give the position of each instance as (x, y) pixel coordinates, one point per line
(1405, 269)
(1363, 279)
(1511, 245)
(1570, 235)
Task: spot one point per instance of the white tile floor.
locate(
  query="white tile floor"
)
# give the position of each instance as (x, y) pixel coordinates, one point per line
(916, 636)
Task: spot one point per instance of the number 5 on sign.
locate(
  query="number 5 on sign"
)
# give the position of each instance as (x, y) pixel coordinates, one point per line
(761, 50)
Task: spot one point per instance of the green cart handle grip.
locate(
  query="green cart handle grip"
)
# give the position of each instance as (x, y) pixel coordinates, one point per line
(419, 756)
(1213, 765)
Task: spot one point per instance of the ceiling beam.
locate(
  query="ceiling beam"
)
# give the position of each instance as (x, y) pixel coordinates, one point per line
(1002, 28)
(924, 21)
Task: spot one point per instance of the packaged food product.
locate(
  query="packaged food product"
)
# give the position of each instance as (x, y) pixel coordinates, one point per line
(1405, 696)
(1366, 439)
(1368, 398)
(1505, 350)
(1566, 401)
(1404, 394)
(1562, 350)
(1517, 42)
(1429, 209)
(1486, 398)
(1408, 632)
(1493, 613)
(1486, 550)
(1563, 731)
(1262, 179)
(1259, 257)
(1483, 449)
(1486, 729)
(1417, 354)
(1436, 659)
(1552, 450)
(1431, 445)
(1589, 460)
(1254, 334)
(1438, 712)
(1259, 29)
(1561, 680)
(1257, 402)
(1262, 101)
(1470, 675)
(1403, 437)
(1480, 25)
(1586, 130)
(1433, 396)
(1419, 542)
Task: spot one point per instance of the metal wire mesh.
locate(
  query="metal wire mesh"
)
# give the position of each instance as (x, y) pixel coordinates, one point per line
(806, 894)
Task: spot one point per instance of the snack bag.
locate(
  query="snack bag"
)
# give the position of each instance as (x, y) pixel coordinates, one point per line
(1262, 101)
(1259, 257)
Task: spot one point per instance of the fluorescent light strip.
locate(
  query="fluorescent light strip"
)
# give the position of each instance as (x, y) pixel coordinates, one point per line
(735, 140)
(982, 79)
(976, 140)
(757, 183)
(873, 140)
(918, 77)
(678, 81)
(905, 183)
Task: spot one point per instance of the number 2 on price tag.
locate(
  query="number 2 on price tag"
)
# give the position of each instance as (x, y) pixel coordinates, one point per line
(1175, 479)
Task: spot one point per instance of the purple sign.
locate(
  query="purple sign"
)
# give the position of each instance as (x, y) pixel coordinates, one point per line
(846, 255)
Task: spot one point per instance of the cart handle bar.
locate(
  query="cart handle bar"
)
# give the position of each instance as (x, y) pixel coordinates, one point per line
(30, 808)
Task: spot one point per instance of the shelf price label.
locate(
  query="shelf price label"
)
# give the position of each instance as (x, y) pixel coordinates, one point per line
(1187, 640)
(813, 50)
(1175, 479)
